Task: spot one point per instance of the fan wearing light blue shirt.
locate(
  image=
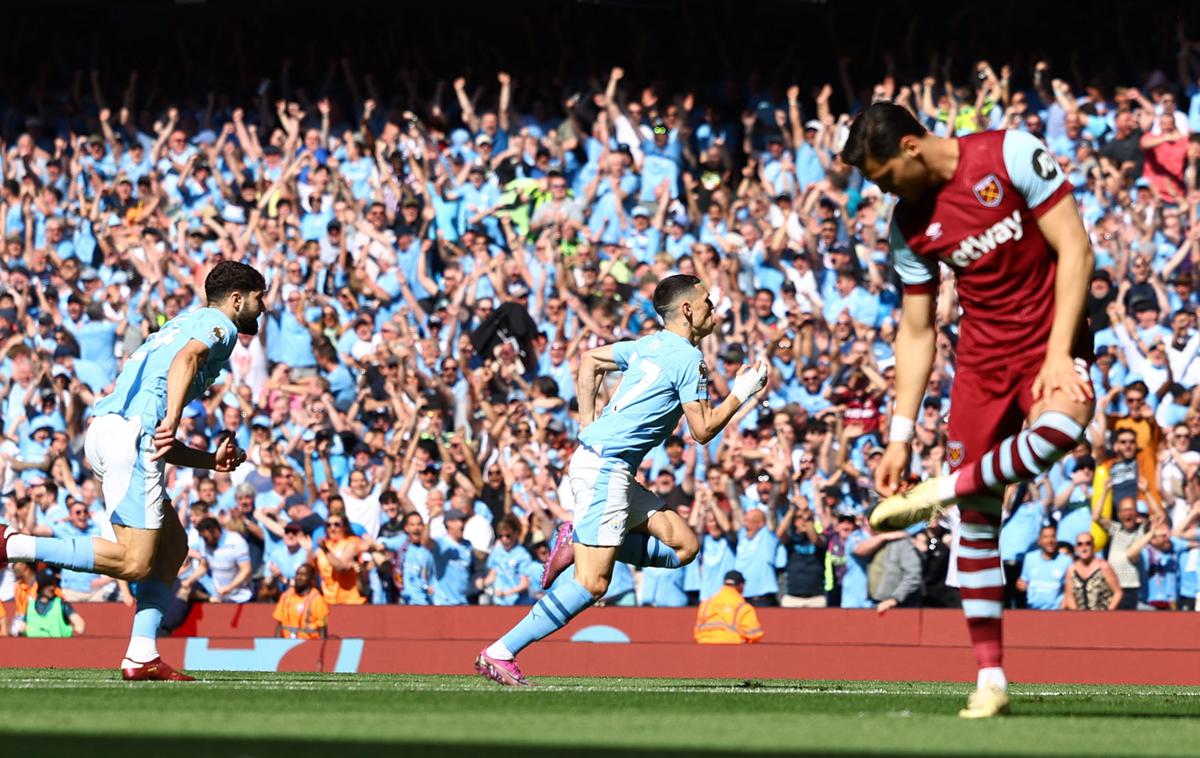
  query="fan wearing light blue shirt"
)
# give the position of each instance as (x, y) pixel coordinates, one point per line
(507, 564)
(616, 518)
(1043, 572)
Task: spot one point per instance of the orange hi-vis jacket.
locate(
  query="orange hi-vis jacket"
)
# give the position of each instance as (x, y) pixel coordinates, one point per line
(727, 619)
(301, 617)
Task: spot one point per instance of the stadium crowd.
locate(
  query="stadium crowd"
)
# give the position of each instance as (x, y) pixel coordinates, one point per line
(437, 267)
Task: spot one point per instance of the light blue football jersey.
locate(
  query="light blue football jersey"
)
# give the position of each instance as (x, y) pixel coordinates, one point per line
(141, 388)
(662, 371)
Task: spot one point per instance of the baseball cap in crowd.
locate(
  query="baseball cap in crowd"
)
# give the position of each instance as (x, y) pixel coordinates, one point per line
(814, 124)
(95, 139)
(516, 289)
(1101, 274)
(234, 214)
(1142, 183)
(734, 352)
(88, 274)
(483, 139)
(47, 577)
(260, 420)
(1086, 461)
(734, 577)
(453, 514)
(640, 211)
(556, 426)
(295, 527)
(293, 500)
(441, 304)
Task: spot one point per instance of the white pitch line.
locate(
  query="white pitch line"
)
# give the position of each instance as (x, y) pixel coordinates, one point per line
(383, 686)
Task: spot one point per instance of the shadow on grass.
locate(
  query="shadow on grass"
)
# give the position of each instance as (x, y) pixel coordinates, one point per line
(232, 747)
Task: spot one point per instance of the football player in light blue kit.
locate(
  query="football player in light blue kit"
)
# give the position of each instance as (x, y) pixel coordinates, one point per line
(617, 519)
(129, 442)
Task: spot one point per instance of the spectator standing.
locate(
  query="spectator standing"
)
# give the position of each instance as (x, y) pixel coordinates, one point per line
(338, 563)
(1091, 583)
(508, 565)
(805, 546)
(1122, 534)
(1156, 554)
(755, 556)
(1188, 530)
(899, 582)
(1043, 573)
(452, 561)
(227, 558)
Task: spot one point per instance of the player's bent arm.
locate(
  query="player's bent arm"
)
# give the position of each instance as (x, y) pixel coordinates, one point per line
(1063, 229)
(183, 370)
(592, 367)
(915, 348)
(78, 626)
(183, 455)
(705, 421)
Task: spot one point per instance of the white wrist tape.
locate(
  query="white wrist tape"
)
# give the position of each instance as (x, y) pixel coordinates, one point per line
(749, 383)
(902, 429)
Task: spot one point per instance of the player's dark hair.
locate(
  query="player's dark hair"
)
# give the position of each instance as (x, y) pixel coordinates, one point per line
(228, 277)
(877, 131)
(670, 290)
(208, 524)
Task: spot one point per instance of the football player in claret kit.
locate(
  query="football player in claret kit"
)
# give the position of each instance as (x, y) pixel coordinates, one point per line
(128, 444)
(616, 518)
(996, 209)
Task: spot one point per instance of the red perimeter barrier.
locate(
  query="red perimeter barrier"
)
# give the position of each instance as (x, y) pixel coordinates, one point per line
(1111, 648)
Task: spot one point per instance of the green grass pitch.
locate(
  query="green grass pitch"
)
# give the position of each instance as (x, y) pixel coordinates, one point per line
(92, 713)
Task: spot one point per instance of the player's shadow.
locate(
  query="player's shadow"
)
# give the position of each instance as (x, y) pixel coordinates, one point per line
(121, 746)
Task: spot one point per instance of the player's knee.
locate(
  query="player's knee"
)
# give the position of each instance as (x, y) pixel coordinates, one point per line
(688, 550)
(135, 568)
(597, 585)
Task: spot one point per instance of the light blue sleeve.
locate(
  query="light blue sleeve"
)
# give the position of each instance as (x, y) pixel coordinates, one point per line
(692, 378)
(912, 268)
(621, 353)
(207, 325)
(1031, 167)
